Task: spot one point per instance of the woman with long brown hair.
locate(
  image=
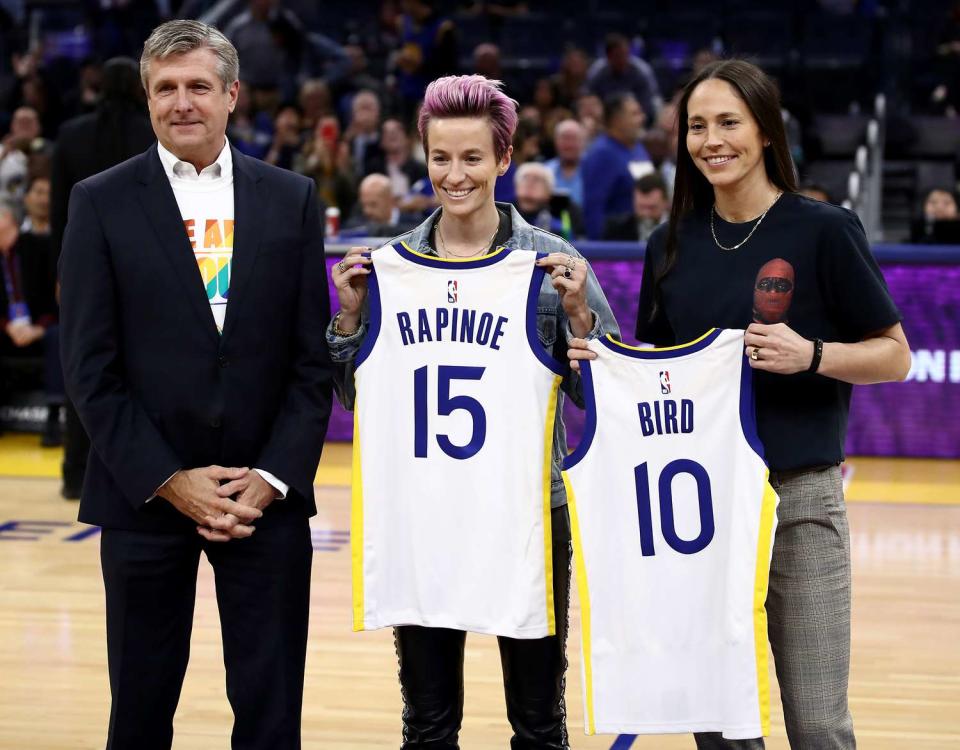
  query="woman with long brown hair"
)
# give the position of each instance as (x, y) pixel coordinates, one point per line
(743, 249)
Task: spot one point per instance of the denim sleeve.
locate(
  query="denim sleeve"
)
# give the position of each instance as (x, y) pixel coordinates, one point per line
(343, 352)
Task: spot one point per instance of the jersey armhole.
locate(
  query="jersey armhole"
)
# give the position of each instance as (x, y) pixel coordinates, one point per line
(373, 324)
(748, 409)
(533, 294)
(590, 417)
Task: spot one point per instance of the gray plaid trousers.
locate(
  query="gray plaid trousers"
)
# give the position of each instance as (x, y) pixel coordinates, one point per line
(808, 611)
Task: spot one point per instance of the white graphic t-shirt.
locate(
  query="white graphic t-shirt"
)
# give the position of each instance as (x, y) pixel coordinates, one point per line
(206, 205)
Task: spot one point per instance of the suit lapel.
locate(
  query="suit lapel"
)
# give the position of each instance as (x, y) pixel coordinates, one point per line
(160, 206)
(247, 229)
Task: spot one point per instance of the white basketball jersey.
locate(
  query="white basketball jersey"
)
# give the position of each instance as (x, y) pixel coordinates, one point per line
(673, 522)
(454, 418)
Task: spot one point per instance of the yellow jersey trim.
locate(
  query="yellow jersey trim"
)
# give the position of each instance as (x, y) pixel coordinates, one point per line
(356, 525)
(768, 509)
(472, 259)
(547, 530)
(697, 340)
(583, 592)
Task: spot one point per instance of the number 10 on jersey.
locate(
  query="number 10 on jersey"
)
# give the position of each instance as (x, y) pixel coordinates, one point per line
(667, 522)
(447, 405)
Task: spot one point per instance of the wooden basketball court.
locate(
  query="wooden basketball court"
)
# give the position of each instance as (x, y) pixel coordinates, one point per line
(905, 680)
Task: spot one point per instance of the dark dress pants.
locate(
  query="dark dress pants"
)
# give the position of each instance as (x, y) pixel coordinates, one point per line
(263, 596)
(431, 673)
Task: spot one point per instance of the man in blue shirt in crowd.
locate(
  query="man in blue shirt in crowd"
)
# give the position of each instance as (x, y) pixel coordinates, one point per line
(615, 160)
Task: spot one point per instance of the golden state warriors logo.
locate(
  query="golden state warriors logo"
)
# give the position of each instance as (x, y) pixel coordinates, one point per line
(452, 289)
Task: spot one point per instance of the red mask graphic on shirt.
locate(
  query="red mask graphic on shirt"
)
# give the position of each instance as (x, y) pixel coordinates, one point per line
(773, 292)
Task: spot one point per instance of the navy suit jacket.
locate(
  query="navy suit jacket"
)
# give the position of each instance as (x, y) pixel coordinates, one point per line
(156, 386)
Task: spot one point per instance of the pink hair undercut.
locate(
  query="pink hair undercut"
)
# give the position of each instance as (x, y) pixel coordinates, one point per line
(471, 96)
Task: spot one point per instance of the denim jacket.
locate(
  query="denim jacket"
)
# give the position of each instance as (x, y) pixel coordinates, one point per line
(553, 328)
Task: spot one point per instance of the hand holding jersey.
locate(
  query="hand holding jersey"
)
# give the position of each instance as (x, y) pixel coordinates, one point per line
(569, 277)
(349, 277)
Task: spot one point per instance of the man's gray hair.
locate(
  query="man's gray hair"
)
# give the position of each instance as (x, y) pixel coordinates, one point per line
(181, 36)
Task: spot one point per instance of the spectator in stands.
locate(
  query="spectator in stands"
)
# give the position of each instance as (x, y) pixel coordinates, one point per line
(326, 159)
(661, 143)
(428, 51)
(315, 101)
(360, 78)
(946, 94)
(940, 224)
(940, 205)
(28, 310)
(622, 72)
(526, 148)
(570, 81)
(816, 191)
(379, 214)
(589, 110)
(36, 206)
(83, 99)
(23, 138)
(363, 132)
(487, 62)
(85, 146)
(534, 187)
(245, 131)
(651, 207)
(287, 137)
(569, 140)
(278, 53)
(614, 161)
(396, 162)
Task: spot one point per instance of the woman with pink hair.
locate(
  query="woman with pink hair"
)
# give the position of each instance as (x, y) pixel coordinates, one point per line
(466, 125)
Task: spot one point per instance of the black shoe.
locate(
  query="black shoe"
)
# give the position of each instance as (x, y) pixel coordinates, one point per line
(70, 492)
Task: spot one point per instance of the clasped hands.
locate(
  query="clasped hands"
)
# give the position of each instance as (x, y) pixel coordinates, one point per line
(205, 494)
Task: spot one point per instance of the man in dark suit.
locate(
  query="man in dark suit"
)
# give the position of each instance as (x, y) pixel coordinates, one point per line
(91, 143)
(207, 419)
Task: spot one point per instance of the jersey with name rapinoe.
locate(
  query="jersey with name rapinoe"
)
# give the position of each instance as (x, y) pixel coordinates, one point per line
(454, 415)
(673, 521)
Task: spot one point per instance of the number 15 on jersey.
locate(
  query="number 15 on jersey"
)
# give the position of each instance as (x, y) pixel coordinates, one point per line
(447, 405)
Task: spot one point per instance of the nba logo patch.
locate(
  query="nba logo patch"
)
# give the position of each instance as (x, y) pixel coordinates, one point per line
(664, 381)
(452, 290)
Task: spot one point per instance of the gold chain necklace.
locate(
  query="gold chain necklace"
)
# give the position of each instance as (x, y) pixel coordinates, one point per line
(713, 210)
(471, 255)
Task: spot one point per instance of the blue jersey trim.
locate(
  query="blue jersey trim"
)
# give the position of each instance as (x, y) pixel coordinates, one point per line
(533, 295)
(748, 412)
(590, 414)
(373, 325)
(667, 352)
(432, 261)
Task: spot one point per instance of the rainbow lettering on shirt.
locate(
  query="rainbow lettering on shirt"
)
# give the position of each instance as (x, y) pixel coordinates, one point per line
(214, 257)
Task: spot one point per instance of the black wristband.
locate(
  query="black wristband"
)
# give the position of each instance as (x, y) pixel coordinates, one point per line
(817, 355)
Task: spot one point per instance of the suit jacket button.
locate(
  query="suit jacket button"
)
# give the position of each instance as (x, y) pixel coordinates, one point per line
(223, 361)
(215, 422)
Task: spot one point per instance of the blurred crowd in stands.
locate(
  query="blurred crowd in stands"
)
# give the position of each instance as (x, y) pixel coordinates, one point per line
(331, 90)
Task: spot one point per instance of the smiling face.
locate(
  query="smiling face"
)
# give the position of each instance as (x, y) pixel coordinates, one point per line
(189, 106)
(462, 165)
(723, 137)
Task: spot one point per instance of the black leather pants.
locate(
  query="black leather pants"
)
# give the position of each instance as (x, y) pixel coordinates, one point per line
(431, 673)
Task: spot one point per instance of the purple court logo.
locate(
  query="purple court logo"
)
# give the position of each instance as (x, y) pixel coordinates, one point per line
(452, 290)
(664, 382)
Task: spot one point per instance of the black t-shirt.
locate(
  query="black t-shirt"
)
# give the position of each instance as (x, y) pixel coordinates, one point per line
(808, 265)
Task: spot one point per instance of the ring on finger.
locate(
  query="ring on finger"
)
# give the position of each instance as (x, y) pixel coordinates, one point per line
(755, 354)
(341, 267)
(567, 273)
